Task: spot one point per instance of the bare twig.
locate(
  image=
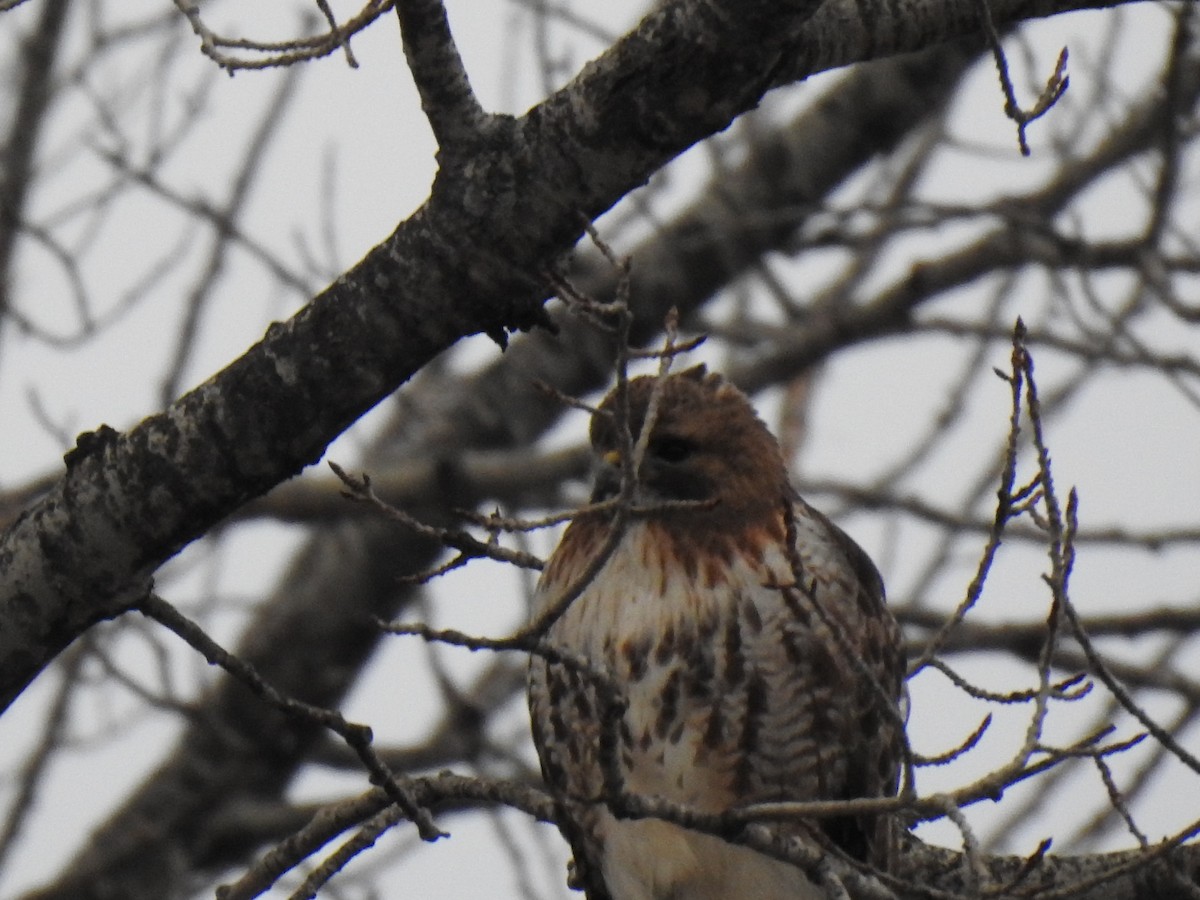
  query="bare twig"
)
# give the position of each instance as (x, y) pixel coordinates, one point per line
(357, 736)
(1006, 497)
(261, 54)
(468, 546)
(1055, 87)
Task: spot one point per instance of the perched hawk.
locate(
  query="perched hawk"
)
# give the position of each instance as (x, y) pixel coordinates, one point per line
(750, 639)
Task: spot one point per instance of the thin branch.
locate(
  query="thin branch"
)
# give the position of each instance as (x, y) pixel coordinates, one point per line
(454, 113)
(29, 781)
(335, 819)
(468, 546)
(357, 736)
(363, 840)
(1056, 85)
(331, 20)
(1004, 511)
(32, 93)
(276, 53)
(225, 219)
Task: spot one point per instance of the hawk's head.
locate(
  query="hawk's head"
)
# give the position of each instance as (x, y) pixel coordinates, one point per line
(706, 443)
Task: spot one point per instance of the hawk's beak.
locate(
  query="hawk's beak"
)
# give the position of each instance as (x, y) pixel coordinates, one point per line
(607, 478)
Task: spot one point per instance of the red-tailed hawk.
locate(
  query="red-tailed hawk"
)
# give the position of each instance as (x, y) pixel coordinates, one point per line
(750, 639)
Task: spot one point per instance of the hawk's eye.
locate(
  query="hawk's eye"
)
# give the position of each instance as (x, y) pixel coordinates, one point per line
(671, 449)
